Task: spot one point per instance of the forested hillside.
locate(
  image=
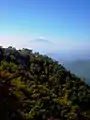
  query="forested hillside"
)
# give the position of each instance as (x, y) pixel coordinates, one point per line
(35, 87)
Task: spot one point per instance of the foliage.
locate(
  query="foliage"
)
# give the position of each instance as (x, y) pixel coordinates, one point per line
(35, 87)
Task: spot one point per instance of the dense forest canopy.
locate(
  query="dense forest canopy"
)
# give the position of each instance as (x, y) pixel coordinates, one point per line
(35, 87)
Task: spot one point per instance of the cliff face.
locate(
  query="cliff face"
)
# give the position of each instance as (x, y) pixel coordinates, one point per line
(36, 87)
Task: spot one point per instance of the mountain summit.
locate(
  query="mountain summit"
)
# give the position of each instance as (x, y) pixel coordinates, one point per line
(41, 40)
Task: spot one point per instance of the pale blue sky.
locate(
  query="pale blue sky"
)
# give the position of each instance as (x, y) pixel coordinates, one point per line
(66, 23)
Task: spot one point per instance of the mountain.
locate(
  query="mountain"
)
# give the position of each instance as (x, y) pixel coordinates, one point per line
(41, 40)
(70, 55)
(39, 43)
(77, 62)
(36, 87)
(80, 68)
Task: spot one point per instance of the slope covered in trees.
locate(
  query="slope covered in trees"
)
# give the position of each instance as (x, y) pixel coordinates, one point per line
(34, 87)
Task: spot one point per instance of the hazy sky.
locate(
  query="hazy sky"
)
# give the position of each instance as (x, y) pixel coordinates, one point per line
(64, 24)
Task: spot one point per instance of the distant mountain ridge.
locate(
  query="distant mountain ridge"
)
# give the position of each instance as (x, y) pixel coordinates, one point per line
(79, 67)
(78, 63)
(70, 56)
(41, 40)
